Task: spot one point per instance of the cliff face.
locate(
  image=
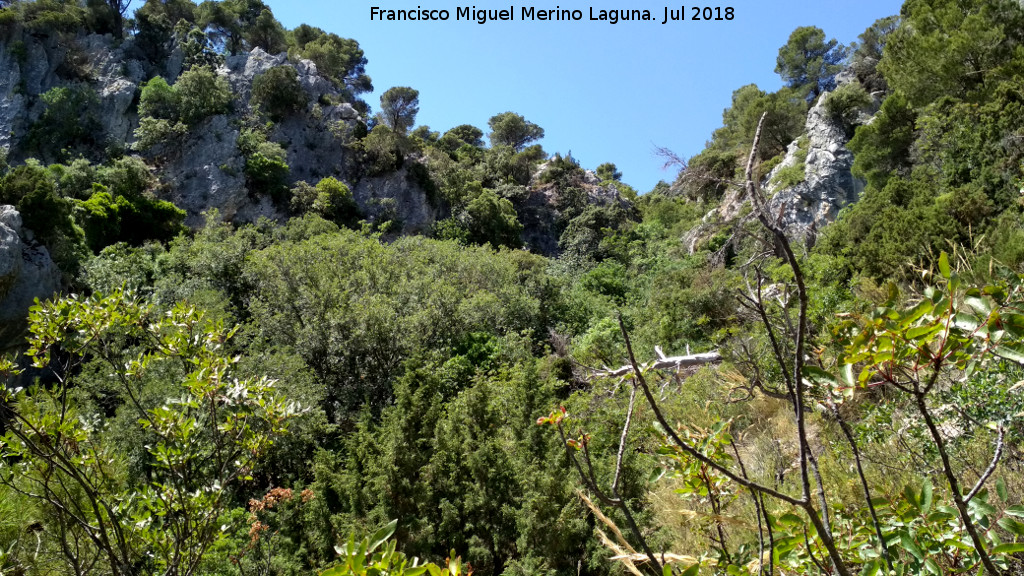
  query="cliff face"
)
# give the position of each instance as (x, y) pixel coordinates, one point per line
(204, 169)
(829, 183)
(26, 273)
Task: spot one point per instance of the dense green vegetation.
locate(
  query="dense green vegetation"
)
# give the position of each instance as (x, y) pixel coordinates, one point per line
(321, 395)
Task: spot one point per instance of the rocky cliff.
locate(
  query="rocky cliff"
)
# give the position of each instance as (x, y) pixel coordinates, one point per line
(204, 169)
(26, 273)
(829, 183)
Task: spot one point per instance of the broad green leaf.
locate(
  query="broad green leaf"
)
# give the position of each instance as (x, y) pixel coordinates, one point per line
(790, 519)
(380, 536)
(1001, 489)
(815, 374)
(1012, 353)
(931, 566)
(692, 570)
(922, 332)
(977, 302)
(1011, 548)
(1017, 511)
(908, 544)
(926, 496)
(967, 322)
(911, 496)
(847, 374)
(1012, 526)
(871, 568)
(923, 307)
(944, 265)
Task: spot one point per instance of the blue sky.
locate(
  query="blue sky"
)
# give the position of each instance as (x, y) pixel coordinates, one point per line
(607, 93)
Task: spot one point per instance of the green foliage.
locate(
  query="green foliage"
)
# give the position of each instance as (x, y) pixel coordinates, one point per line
(108, 219)
(786, 114)
(196, 45)
(384, 150)
(953, 48)
(329, 199)
(789, 176)
(492, 220)
(158, 100)
(795, 173)
(340, 59)
(867, 53)
(398, 108)
(68, 124)
(266, 170)
(153, 133)
(385, 304)
(121, 266)
(608, 171)
(45, 16)
(266, 33)
(463, 134)
(562, 171)
(585, 235)
(376, 554)
(808, 63)
(511, 129)
(167, 112)
(201, 94)
(708, 174)
(882, 148)
(30, 189)
(201, 442)
(278, 93)
(845, 104)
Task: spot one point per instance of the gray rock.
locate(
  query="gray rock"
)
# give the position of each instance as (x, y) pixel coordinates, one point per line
(13, 104)
(116, 81)
(207, 171)
(26, 273)
(829, 184)
(396, 195)
(242, 68)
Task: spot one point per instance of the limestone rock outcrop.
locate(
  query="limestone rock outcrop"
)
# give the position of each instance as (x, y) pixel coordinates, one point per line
(26, 273)
(829, 183)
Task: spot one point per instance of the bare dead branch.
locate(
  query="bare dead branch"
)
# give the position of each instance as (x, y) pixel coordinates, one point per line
(668, 363)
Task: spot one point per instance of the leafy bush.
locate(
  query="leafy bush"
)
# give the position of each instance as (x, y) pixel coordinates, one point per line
(217, 415)
(384, 150)
(845, 103)
(108, 219)
(47, 16)
(68, 124)
(492, 220)
(794, 174)
(329, 199)
(882, 148)
(561, 171)
(340, 59)
(30, 189)
(153, 132)
(201, 94)
(376, 554)
(267, 172)
(159, 100)
(278, 93)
